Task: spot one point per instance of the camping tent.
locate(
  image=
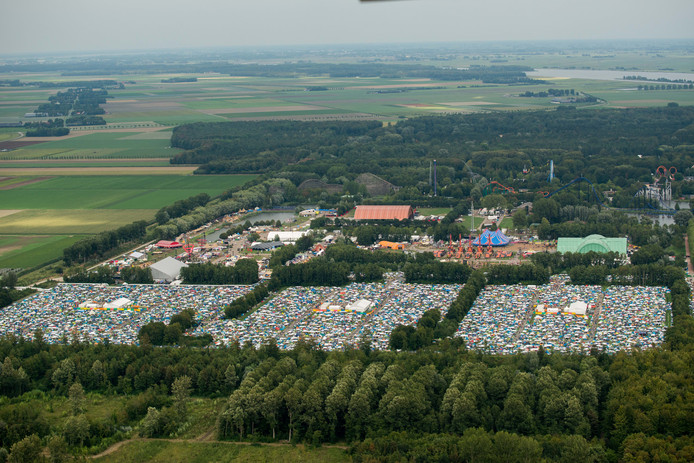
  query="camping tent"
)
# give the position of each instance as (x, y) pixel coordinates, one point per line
(489, 238)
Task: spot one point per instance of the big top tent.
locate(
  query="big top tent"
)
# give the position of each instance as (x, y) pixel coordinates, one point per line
(489, 238)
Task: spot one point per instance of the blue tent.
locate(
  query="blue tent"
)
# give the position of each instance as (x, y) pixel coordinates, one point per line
(488, 238)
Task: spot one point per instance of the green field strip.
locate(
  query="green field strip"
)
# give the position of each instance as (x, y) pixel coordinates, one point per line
(316, 112)
(235, 103)
(154, 451)
(506, 223)
(69, 222)
(31, 153)
(115, 192)
(85, 153)
(19, 198)
(434, 210)
(125, 162)
(161, 117)
(156, 199)
(17, 111)
(106, 140)
(39, 250)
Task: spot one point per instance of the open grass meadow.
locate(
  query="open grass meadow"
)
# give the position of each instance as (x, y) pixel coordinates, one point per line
(158, 451)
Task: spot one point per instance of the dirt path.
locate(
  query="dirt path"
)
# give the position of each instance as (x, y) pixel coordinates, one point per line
(206, 436)
(198, 440)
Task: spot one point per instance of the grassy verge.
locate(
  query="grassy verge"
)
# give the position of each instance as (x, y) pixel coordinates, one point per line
(190, 452)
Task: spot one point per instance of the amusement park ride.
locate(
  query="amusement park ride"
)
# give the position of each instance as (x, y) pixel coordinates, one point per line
(658, 191)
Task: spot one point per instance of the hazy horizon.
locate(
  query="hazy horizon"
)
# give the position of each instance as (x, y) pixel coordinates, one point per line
(73, 26)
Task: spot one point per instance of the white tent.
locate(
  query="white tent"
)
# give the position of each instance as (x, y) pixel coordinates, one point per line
(577, 308)
(168, 269)
(119, 303)
(361, 306)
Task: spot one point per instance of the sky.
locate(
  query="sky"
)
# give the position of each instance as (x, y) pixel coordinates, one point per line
(47, 26)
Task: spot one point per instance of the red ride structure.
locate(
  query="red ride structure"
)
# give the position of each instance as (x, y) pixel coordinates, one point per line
(664, 172)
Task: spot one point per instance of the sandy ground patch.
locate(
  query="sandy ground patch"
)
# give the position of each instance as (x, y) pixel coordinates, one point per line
(10, 248)
(262, 109)
(175, 170)
(6, 212)
(24, 183)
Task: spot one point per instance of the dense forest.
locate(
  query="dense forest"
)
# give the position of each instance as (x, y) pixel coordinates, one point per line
(593, 407)
(614, 149)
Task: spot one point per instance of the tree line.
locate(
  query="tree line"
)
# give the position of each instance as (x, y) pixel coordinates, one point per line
(243, 272)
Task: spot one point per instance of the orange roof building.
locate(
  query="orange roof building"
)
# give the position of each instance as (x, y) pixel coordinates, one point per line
(383, 213)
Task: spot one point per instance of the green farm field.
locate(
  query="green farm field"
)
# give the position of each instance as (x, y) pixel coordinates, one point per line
(81, 163)
(149, 102)
(115, 192)
(32, 251)
(99, 144)
(70, 222)
(38, 220)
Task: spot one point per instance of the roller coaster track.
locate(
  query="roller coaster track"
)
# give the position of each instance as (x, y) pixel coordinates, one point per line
(494, 186)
